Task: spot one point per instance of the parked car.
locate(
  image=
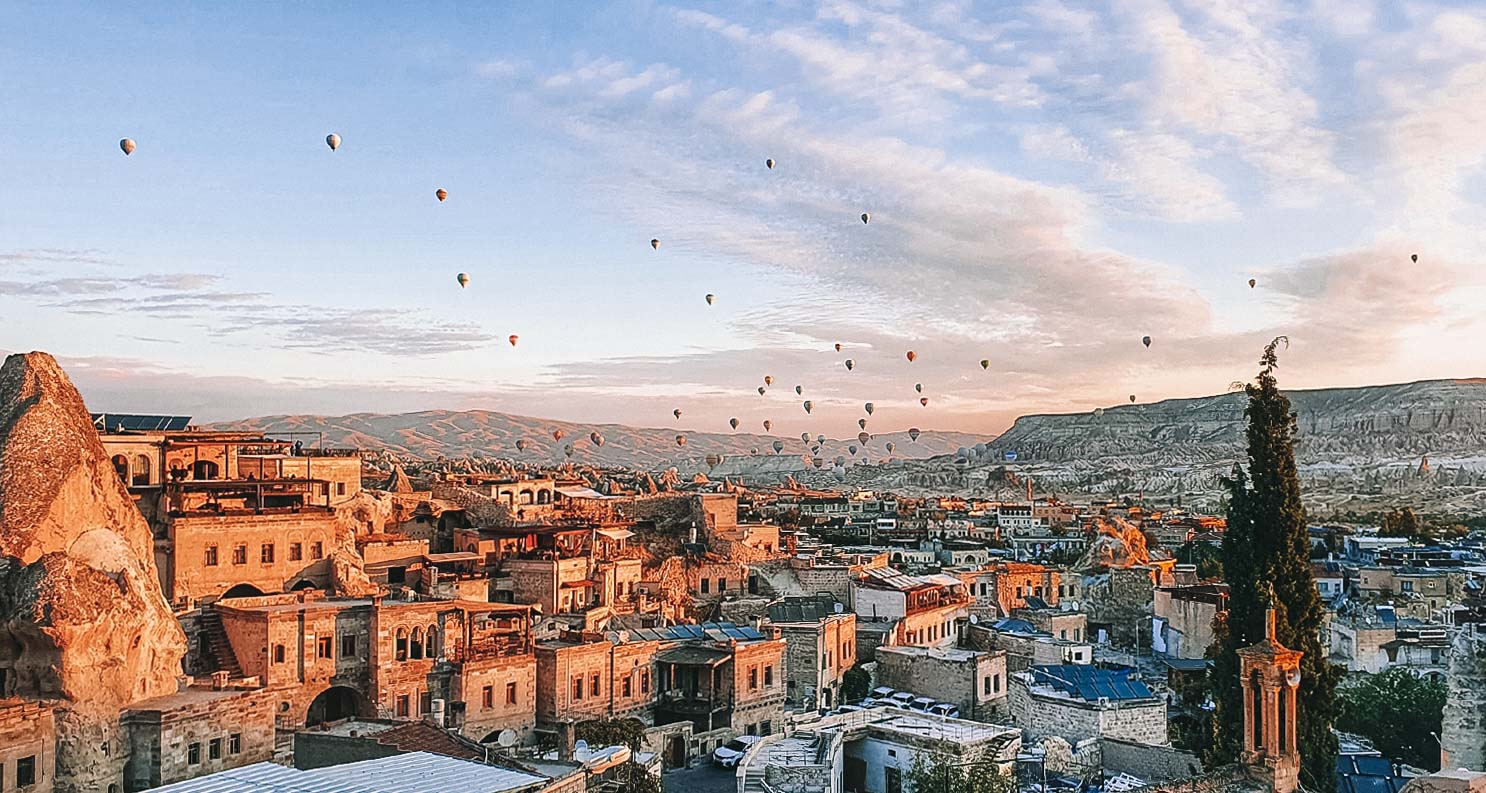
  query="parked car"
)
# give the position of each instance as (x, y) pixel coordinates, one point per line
(903, 699)
(850, 708)
(922, 704)
(946, 709)
(731, 752)
(882, 692)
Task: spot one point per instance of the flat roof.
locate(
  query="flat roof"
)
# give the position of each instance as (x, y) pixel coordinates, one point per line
(191, 696)
(414, 772)
(942, 728)
(946, 653)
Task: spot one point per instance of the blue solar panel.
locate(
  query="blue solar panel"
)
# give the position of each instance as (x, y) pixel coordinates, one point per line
(115, 422)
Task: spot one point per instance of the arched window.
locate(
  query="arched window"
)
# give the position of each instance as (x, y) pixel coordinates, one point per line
(416, 650)
(141, 470)
(544, 496)
(121, 467)
(1256, 683)
(203, 469)
(526, 497)
(432, 642)
(401, 647)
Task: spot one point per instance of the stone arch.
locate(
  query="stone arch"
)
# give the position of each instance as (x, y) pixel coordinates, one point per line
(303, 584)
(204, 469)
(336, 703)
(544, 496)
(526, 497)
(243, 591)
(400, 647)
(415, 644)
(142, 474)
(121, 467)
(431, 646)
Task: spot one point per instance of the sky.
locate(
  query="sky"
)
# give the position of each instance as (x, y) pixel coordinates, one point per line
(1048, 182)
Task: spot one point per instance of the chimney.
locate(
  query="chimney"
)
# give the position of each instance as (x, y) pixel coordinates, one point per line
(219, 680)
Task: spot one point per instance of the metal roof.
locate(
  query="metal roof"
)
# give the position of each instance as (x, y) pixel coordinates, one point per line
(263, 778)
(113, 422)
(805, 609)
(1092, 683)
(414, 772)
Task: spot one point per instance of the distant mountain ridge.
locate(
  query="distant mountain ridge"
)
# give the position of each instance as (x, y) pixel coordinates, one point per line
(432, 433)
(1420, 444)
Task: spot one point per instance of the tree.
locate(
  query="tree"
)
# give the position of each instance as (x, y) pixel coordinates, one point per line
(856, 683)
(940, 773)
(622, 732)
(1207, 557)
(1399, 712)
(1266, 559)
(1401, 523)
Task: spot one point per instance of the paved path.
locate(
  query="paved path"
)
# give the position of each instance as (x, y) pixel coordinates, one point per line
(704, 778)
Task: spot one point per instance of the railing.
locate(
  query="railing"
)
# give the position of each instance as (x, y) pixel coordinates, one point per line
(681, 702)
(486, 650)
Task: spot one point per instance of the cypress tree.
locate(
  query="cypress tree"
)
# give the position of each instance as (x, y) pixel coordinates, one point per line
(1267, 564)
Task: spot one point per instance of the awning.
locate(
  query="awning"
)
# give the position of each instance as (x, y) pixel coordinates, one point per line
(579, 492)
(577, 584)
(449, 558)
(616, 534)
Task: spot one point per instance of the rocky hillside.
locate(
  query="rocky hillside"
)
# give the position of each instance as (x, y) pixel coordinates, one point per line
(1421, 444)
(445, 433)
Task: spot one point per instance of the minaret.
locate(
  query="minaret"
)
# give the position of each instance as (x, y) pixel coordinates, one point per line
(1270, 675)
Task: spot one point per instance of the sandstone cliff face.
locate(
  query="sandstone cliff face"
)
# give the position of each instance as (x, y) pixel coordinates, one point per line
(82, 617)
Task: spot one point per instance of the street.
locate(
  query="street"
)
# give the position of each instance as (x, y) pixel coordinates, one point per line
(704, 778)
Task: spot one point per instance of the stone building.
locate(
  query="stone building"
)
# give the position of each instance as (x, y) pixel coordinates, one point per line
(1078, 702)
(1060, 622)
(894, 609)
(590, 676)
(200, 730)
(241, 551)
(724, 681)
(973, 680)
(1182, 625)
(332, 658)
(1003, 587)
(28, 746)
(820, 637)
(1025, 646)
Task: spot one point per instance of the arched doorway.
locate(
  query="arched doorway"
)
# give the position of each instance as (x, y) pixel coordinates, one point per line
(121, 467)
(243, 591)
(335, 703)
(303, 584)
(142, 467)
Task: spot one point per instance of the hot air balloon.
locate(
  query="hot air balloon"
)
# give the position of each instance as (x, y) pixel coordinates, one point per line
(768, 425)
(808, 405)
(799, 390)
(869, 407)
(890, 447)
(441, 194)
(768, 379)
(919, 387)
(1098, 412)
(127, 145)
(333, 141)
(1132, 397)
(513, 338)
(463, 279)
(568, 450)
(753, 451)
(733, 423)
(1146, 340)
(761, 390)
(850, 364)
(712, 460)
(820, 438)
(1414, 257)
(769, 163)
(852, 449)
(838, 346)
(711, 298)
(863, 437)
(521, 445)
(817, 462)
(676, 413)
(778, 446)
(557, 435)
(815, 450)
(804, 437)
(598, 440)
(655, 244)
(1252, 282)
(912, 356)
(866, 217)
(923, 401)
(680, 440)
(861, 424)
(985, 363)
(913, 433)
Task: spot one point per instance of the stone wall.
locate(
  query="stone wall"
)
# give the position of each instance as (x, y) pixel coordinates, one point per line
(486, 687)
(975, 681)
(1140, 721)
(1153, 763)
(197, 732)
(28, 736)
(311, 535)
(1120, 601)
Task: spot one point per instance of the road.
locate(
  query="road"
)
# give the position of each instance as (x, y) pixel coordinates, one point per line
(704, 778)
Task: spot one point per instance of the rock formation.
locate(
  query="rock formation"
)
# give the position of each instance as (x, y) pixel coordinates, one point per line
(82, 617)
(1463, 737)
(1116, 543)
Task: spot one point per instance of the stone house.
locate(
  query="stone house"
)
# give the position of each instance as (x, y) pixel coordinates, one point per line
(28, 746)
(973, 680)
(820, 637)
(201, 730)
(589, 676)
(1182, 625)
(1003, 587)
(1079, 702)
(902, 610)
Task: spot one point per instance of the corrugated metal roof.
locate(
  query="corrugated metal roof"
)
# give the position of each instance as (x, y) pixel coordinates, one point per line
(112, 422)
(1092, 683)
(263, 778)
(414, 772)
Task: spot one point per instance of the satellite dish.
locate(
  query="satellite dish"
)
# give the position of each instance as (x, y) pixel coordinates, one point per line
(506, 738)
(581, 745)
(840, 607)
(974, 620)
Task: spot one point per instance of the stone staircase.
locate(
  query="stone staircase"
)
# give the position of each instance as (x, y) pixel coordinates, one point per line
(215, 646)
(753, 780)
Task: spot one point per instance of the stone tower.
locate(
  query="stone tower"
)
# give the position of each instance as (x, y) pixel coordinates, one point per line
(1270, 674)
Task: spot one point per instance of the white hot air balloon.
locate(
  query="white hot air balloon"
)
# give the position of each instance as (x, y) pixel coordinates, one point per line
(333, 141)
(127, 146)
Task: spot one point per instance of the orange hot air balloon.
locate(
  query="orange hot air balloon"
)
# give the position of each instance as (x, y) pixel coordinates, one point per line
(912, 356)
(127, 146)
(768, 379)
(680, 440)
(923, 401)
(441, 194)
(557, 435)
(838, 346)
(513, 338)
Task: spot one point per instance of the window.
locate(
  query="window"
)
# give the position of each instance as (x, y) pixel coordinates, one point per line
(415, 646)
(988, 684)
(278, 653)
(235, 743)
(487, 697)
(511, 693)
(266, 554)
(340, 488)
(752, 679)
(317, 550)
(239, 554)
(768, 680)
(706, 586)
(644, 681)
(400, 645)
(996, 683)
(577, 687)
(193, 754)
(1408, 586)
(766, 728)
(402, 706)
(25, 771)
(214, 749)
(211, 556)
(722, 585)
(425, 702)
(323, 648)
(431, 642)
(593, 687)
(296, 551)
(348, 645)
(626, 688)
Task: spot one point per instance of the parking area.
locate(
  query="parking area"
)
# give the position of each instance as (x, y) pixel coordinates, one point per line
(703, 778)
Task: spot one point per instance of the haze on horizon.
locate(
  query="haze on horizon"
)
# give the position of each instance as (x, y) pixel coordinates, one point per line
(1048, 183)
